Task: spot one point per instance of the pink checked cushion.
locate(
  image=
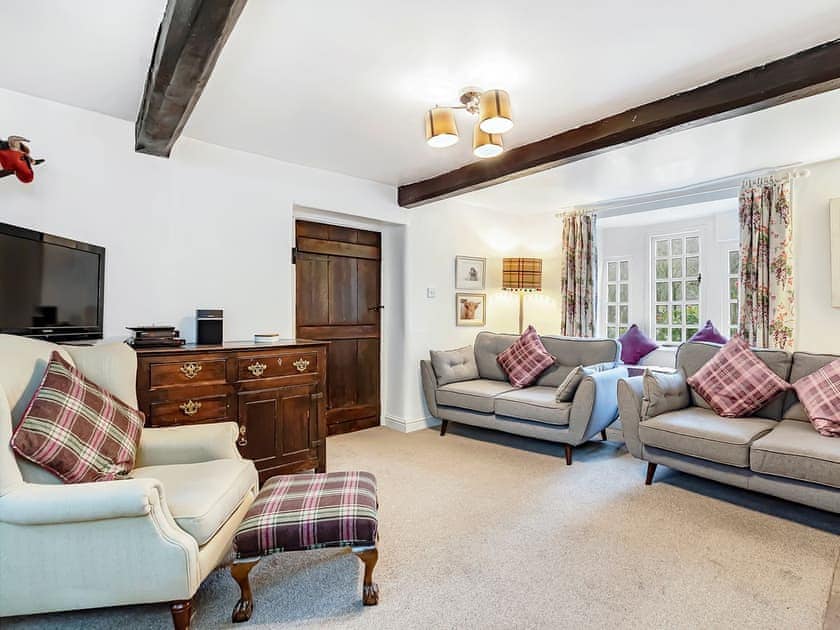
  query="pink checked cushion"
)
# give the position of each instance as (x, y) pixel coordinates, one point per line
(526, 359)
(77, 430)
(735, 382)
(819, 392)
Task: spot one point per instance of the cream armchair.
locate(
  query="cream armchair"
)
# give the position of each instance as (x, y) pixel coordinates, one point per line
(151, 538)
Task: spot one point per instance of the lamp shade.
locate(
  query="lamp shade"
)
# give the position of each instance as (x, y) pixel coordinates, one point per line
(486, 145)
(494, 112)
(522, 274)
(441, 130)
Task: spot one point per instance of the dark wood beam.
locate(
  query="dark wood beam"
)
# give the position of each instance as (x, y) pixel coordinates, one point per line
(192, 33)
(800, 75)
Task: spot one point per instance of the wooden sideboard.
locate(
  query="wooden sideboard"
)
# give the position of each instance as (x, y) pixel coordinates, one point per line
(274, 392)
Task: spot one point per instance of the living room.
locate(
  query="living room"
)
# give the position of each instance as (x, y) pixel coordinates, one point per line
(241, 185)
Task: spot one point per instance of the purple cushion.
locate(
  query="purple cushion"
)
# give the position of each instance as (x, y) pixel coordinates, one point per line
(635, 344)
(709, 333)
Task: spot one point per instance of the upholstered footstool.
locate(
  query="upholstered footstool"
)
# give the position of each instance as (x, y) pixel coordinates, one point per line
(309, 511)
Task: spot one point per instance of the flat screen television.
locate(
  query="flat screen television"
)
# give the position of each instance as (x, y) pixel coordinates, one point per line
(50, 287)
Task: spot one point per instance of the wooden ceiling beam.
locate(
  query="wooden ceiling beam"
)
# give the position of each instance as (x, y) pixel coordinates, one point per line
(798, 76)
(192, 33)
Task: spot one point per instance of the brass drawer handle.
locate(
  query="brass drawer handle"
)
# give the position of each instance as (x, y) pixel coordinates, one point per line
(301, 364)
(280, 361)
(242, 441)
(257, 368)
(191, 369)
(190, 408)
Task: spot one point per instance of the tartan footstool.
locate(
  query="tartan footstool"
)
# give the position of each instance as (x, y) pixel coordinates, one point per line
(308, 511)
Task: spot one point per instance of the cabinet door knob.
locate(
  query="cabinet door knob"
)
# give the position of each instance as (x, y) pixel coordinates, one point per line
(257, 368)
(190, 408)
(301, 364)
(191, 369)
(242, 441)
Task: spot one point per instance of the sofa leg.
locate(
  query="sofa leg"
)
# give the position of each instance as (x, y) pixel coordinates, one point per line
(568, 448)
(651, 470)
(370, 589)
(181, 614)
(443, 425)
(604, 435)
(245, 606)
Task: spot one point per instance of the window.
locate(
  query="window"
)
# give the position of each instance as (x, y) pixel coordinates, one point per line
(733, 267)
(618, 297)
(676, 281)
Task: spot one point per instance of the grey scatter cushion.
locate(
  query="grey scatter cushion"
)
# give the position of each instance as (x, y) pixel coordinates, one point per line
(663, 392)
(452, 366)
(566, 390)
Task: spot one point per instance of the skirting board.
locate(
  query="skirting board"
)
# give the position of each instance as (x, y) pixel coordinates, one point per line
(407, 426)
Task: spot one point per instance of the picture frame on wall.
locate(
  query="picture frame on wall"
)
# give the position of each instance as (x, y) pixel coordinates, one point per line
(834, 212)
(470, 272)
(470, 309)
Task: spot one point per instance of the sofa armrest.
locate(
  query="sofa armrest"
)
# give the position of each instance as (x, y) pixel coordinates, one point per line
(429, 379)
(189, 444)
(630, 394)
(595, 404)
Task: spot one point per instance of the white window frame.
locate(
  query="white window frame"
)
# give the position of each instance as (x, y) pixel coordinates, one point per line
(686, 330)
(620, 327)
(731, 329)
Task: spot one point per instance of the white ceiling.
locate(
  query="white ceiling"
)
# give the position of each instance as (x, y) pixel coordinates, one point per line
(343, 85)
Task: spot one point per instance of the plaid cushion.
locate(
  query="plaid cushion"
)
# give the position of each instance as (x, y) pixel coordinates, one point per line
(77, 430)
(526, 359)
(819, 392)
(735, 382)
(310, 511)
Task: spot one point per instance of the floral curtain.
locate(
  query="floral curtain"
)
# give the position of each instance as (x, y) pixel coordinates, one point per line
(767, 306)
(577, 277)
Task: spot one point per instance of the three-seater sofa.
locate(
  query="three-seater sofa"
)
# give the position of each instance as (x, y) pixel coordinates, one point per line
(776, 451)
(490, 401)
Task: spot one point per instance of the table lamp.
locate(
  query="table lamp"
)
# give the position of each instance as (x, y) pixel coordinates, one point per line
(522, 275)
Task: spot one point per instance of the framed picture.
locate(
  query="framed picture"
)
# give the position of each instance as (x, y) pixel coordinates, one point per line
(469, 272)
(470, 309)
(835, 252)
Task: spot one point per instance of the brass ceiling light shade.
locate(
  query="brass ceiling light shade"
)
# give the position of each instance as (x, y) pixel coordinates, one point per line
(486, 145)
(441, 130)
(494, 112)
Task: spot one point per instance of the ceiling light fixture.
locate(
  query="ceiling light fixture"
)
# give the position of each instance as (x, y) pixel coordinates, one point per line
(494, 118)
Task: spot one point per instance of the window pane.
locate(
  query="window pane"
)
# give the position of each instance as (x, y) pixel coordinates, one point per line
(624, 293)
(623, 317)
(611, 315)
(676, 247)
(676, 334)
(692, 266)
(662, 334)
(624, 271)
(733, 288)
(612, 272)
(676, 268)
(690, 332)
(610, 293)
(692, 290)
(692, 313)
(733, 313)
(733, 331)
(692, 245)
(676, 291)
(676, 314)
(662, 248)
(661, 269)
(733, 262)
(661, 291)
(612, 332)
(662, 314)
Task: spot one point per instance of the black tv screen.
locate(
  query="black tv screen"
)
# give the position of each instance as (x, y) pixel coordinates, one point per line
(50, 287)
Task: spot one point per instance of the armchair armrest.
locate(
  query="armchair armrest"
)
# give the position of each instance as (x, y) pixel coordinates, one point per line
(429, 379)
(595, 405)
(50, 504)
(630, 394)
(188, 444)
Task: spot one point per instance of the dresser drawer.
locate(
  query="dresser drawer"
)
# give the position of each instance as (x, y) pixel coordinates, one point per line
(274, 365)
(187, 372)
(203, 408)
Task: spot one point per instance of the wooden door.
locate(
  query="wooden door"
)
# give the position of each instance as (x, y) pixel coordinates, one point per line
(338, 300)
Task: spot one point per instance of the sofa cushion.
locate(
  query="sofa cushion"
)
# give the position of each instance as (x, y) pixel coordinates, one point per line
(735, 382)
(663, 393)
(475, 395)
(452, 366)
(202, 496)
(701, 433)
(566, 390)
(534, 403)
(804, 363)
(709, 333)
(794, 450)
(635, 344)
(525, 359)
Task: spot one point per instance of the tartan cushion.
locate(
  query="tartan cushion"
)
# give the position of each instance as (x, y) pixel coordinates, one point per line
(77, 430)
(819, 392)
(735, 382)
(525, 359)
(310, 511)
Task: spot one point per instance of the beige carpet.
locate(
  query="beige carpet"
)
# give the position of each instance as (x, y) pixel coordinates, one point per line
(482, 530)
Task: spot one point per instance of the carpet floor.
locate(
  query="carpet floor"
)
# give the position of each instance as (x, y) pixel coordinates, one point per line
(483, 530)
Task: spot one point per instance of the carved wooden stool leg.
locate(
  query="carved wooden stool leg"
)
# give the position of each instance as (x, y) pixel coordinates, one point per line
(245, 606)
(370, 589)
(181, 614)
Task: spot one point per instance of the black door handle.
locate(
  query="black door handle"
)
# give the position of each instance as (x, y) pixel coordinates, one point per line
(376, 308)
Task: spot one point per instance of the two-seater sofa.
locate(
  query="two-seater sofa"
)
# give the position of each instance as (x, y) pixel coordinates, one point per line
(776, 451)
(490, 401)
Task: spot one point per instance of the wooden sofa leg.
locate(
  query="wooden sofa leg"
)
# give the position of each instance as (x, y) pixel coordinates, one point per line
(245, 606)
(604, 435)
(370, 589)
(181, 614)
(568, 454)
(651, 469)
(443, 425)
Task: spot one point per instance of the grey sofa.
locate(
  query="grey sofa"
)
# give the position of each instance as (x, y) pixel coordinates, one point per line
(777, 451)
(491, 401)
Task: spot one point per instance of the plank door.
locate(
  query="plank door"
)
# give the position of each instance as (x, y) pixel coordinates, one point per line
(339, 300)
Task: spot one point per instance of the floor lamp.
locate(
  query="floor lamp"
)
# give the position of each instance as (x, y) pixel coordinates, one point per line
(523, 275)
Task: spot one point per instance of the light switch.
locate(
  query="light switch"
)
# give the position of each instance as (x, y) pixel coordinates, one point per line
(430, 292)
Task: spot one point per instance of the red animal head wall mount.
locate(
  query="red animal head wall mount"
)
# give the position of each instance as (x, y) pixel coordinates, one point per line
(15, 159)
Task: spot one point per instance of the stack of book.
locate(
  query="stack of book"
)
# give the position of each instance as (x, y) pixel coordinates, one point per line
(154, 336)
